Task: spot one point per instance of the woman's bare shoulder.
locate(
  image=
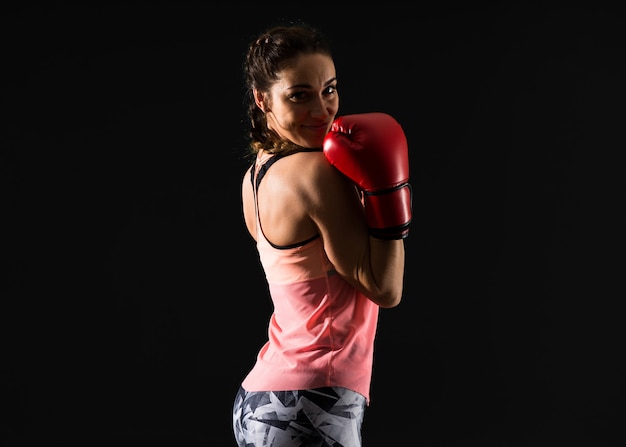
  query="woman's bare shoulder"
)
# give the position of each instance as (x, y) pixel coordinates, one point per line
(315, 166)
(321, 183)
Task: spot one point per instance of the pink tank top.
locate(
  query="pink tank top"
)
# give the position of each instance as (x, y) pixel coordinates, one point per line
(321, 332)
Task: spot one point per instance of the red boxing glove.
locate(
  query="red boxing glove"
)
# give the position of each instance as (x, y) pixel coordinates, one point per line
(371, 150)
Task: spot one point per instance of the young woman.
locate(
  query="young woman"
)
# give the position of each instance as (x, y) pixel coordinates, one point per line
(328, 203)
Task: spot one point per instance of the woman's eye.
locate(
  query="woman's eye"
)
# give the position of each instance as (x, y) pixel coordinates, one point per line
(298, 96)
(331, 90)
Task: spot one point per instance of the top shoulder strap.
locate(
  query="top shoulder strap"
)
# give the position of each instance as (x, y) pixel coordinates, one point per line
(265, 166)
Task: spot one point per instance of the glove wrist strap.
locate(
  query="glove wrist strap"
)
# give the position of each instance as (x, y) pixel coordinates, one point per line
(388, 212)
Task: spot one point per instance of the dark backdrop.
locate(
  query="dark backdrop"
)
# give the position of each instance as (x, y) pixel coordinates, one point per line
(132, 298)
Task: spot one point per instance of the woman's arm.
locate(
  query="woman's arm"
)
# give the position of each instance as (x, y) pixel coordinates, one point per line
(374, 266)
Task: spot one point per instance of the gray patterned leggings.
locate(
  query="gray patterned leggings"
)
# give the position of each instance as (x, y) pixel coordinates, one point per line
(321, 417)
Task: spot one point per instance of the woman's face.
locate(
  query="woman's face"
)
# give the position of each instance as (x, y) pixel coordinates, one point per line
(302, 104)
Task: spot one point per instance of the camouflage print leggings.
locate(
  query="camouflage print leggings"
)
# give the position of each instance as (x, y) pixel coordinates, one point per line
(321, 417)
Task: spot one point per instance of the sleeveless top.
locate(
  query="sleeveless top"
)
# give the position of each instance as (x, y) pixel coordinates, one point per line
(321, 331)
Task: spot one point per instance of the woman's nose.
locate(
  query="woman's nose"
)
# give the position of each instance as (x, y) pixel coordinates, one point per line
(320, 109)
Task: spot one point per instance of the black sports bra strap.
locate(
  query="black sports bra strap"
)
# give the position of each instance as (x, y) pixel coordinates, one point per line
(263, 169)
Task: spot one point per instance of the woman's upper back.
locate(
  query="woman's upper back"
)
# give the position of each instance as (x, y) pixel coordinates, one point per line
(282, 197)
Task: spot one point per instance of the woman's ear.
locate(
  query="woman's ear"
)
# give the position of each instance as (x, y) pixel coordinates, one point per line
(259, 99)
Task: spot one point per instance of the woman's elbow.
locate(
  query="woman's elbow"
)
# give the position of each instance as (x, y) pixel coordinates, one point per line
(388, 299)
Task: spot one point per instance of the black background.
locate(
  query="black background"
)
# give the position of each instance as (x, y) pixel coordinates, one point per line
(132, 299)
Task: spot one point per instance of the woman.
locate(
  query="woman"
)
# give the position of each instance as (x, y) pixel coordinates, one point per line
(330, 266)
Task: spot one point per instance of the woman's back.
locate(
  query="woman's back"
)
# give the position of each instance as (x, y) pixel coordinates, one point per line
(322, 329)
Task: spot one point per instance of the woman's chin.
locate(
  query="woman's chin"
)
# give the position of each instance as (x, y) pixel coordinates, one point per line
(311, 143)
